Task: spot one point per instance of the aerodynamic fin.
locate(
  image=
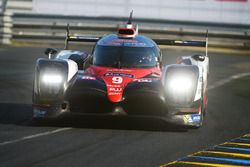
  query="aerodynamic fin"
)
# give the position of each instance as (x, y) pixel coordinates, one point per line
(130, 18)
(77, 38)
(206, 42)
(67, 37)
(130, 31)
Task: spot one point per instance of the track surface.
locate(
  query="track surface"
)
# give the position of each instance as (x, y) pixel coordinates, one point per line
(111, 142)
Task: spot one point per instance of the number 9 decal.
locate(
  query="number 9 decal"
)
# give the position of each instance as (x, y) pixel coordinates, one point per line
(117, 80)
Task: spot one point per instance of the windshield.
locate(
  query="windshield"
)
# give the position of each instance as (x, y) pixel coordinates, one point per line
(125, 57)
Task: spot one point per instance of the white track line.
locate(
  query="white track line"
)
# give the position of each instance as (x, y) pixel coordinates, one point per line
(227, 80)
(34, 136)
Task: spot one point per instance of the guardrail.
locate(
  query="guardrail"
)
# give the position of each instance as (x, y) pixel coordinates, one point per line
(6, 28)
(17, 6)
(51, 29)
(2, 5)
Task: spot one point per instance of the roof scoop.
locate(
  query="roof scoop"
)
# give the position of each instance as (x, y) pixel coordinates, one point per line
(130, 31)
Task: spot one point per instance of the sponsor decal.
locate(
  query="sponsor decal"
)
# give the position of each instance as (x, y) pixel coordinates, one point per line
(115, 86)
(134, 44)
(119, 71)
(119, 75)
(192, 118)
(39, 113)
(88, 78)
(117, 80)
(196, 118)
(115, 91)
(125, 40)
(114, 43)
(120, 42)
(187, 119)
(144, 80)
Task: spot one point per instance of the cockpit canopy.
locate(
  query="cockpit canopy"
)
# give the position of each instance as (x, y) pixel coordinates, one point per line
(139, 52)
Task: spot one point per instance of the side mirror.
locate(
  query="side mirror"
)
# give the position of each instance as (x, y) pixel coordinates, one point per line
(199, 57)
(50, 52)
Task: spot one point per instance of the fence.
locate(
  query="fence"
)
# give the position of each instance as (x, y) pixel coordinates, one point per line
(18, 6)
(18, 23)
(220, 11)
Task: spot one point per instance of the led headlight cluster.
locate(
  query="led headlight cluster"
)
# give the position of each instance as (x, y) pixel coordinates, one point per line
(51, 82)
(52, 78)
(180, 85)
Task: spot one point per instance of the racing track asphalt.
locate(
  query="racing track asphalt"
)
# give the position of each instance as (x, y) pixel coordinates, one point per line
(111, 142)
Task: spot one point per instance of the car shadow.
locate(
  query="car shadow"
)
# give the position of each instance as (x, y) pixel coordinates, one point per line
(21, 114)
(11, 113)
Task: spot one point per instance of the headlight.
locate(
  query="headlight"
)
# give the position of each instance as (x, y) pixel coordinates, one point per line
(52, 79)
(180, 88)
(180, 84)
(51, 84)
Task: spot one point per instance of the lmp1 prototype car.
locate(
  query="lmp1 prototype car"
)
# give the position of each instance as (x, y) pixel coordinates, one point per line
(124, 75)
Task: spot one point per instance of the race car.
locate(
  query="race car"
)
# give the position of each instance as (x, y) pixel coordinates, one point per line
(123, 76)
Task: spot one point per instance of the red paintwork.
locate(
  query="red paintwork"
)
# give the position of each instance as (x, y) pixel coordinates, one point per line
(116, 84)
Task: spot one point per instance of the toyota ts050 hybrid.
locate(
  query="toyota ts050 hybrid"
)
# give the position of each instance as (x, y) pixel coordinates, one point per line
(123, 75)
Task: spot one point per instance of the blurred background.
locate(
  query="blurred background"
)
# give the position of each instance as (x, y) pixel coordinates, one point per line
(219, 11)
(44, 21)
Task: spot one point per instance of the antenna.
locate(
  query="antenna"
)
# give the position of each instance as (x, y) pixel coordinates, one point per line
(130, 18)
(130, 31)
(67, 37)
(206, 42)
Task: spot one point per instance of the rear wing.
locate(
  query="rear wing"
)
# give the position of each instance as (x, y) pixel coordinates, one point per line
(193, 43)
(169, 42)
